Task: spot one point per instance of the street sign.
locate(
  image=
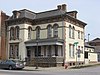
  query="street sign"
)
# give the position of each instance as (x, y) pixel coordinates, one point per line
(75, 43)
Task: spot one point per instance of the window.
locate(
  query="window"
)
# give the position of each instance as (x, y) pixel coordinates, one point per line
(82, 35)
(71, 50)
(73, 32)
(69, 31)
(14, 51)
(12, 33)
(17, 32)
(11, 51)
(49, 33)
(29, 32)
(86, 54)
(82, 49)
(55, 30)
(78, 34)
(37, 32)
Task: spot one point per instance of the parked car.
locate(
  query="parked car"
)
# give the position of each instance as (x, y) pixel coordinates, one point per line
(11, 64)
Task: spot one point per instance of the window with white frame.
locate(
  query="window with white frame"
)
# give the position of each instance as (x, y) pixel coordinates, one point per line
(78, 34)
(73, 32)
(49, 31)
(16, 51)
(55, 30)
(29, 32)
(82, 35)
(12, 33)
(71, 50)
(17, 32)
(82, 49)
(11, 51)
(37, 32)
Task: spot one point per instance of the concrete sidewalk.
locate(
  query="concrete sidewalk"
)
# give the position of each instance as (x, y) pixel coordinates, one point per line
(27, 68)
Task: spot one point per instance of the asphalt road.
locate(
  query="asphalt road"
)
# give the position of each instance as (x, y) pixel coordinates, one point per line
(84, 71)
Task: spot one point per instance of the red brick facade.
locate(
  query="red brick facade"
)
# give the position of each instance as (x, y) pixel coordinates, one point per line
(3, 53)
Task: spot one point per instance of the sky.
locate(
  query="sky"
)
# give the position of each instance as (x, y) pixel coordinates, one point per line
(88, 11)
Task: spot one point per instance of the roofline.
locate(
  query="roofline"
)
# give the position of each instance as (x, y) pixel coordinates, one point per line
(78, 20)
(90, 47)
(47, 11)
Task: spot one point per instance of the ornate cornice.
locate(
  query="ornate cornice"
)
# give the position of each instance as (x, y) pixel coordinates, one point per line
(59, 18)
(19, 21)
(52, 19)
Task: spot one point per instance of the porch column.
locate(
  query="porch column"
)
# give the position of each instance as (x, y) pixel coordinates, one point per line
(61, 51)
(49, 50)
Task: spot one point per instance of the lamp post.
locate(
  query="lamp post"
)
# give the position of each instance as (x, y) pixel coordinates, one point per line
(88, 37)
(75, 43)
(37, 54)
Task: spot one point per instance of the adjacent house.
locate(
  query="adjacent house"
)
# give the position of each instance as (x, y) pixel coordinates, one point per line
(49, 38)
(90, 54)
(96, 44)
(3, 36)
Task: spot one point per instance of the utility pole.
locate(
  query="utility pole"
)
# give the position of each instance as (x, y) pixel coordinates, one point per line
(88, 37)
(75, 43)
(37, 55)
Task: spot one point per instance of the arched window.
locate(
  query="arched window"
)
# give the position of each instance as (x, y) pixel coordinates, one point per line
(55, 30)
(29, 32)
(12, 33)
(17, 32)
(69, 31)
(49, 31)
(37, 32)
(73, 32)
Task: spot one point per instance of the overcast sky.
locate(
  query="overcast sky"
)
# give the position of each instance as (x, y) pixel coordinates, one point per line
(88, 10)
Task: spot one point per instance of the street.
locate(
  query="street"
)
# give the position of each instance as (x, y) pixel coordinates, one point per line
(82, 71)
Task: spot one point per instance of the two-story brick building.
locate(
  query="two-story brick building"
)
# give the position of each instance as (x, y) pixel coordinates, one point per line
(46, 38)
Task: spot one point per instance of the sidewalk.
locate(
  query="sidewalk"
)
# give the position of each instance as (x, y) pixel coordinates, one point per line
(85, 65)
(27, 68)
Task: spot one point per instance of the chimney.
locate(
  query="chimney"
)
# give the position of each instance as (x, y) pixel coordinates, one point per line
(16, 14)
(59, 7)
(64, 7)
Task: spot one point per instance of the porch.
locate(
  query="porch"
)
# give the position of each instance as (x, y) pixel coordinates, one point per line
(46, 61)
(45, 52)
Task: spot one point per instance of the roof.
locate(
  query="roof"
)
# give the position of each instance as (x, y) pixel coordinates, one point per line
(88, 46)
(25, 14)
(51, 13)
(45, 40)
(95, 40)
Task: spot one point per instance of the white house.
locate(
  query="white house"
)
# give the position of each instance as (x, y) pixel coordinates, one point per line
(51, 37)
